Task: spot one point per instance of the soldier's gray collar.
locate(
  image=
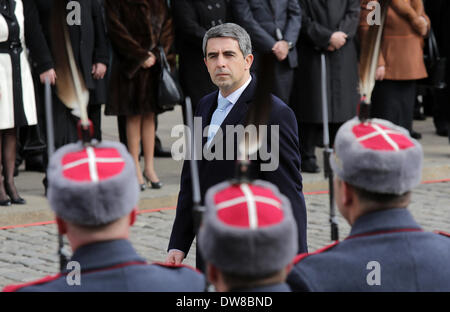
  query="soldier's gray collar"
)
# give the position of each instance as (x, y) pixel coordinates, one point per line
(384, 220)
(105, 254)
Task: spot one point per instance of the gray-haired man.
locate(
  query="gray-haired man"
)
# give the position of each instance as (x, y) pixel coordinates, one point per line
(228, 58)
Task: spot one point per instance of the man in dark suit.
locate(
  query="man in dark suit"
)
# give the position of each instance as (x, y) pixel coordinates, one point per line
(376, 165)
(274, 27)
(227, 49)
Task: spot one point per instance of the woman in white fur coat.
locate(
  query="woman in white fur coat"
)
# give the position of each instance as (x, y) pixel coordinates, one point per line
(17, 99)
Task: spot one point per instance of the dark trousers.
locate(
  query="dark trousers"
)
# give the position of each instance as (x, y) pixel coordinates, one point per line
(95, 115)
(310, 134)
(394, 101)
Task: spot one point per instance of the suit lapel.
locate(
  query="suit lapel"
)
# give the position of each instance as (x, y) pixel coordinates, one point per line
(207, 115)
(273, 6)
(268, 5)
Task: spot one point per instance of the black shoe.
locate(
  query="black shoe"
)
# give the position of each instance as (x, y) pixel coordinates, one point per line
(142, 187)
(154, 185)
(5, 202)
(14, 200)
(415, 135)
(419, 116)
(310, 166)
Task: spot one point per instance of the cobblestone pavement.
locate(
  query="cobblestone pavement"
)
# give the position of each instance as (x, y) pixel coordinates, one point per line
(30, 253)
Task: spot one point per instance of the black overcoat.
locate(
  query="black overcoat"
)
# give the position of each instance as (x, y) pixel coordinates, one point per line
(192, 18)
(92, 45)
(320, 19)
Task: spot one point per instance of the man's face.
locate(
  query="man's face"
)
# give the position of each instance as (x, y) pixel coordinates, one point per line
(226, 64)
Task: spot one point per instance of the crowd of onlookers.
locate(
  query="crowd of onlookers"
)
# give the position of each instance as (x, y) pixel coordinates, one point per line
(116, 50)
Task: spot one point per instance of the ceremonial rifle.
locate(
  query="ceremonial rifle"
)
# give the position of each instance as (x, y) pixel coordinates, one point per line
(370, 52)
(70, 89)
(327, 149)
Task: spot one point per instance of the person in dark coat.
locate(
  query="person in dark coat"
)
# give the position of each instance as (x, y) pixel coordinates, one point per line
(328, 27)
(376, 165)
(192, 18)
(438, 11)
(89, 45)
(274, 27)
(95, 208)
(248, 237)
(229, 66)
(136, 31)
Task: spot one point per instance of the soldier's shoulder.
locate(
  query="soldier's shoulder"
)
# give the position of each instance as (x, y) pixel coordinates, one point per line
(303, 256)
(179, 277)
(177, 267)
(40, 282)
(442, 233)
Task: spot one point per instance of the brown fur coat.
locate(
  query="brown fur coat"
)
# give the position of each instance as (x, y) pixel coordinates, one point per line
(402, 43)
(136, 27)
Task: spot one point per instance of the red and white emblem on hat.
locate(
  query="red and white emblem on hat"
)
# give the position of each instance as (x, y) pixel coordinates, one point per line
(378, 137)
(92, 164)
(249, 206)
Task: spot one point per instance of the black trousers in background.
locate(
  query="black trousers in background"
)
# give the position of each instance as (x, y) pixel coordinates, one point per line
(394, 101)
(310, 134)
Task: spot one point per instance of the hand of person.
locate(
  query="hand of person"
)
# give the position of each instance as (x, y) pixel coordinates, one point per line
(338, 39)
(175, 257)
(150, 61)
(99, 70)
(420, 24)
(281, 50)
(50, 75)
(380, 73)
(331, 48)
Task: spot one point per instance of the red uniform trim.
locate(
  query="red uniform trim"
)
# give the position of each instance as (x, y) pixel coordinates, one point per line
(50, 278)
(384, 232)
(174, 266)
(302, 256)
(442, 233)
(14, 288)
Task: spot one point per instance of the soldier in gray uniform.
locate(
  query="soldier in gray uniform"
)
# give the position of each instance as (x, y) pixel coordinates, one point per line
(94, 194)
(248, 237)
(377, 164)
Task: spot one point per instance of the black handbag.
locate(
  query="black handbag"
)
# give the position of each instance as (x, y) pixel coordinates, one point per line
(169, 92)
(435, 64)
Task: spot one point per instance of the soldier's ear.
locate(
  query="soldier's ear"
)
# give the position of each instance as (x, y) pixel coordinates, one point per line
(212, 273)
(348, 193)
(133, 215)
(62, 226)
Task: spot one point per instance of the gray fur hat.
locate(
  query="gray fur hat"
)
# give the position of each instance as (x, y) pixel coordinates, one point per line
(248, 229)
(377, 156)
(92, 186)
